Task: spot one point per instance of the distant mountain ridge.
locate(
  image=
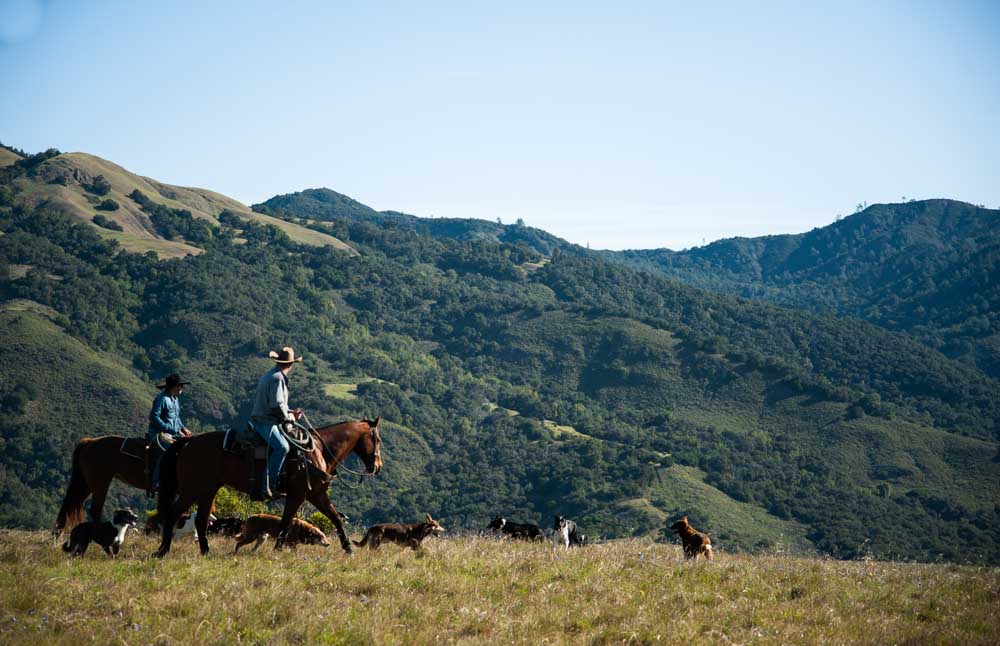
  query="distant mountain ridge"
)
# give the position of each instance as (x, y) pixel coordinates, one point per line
(325, 205)
(929, 268)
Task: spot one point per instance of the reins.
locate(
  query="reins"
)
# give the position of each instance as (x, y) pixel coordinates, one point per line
(312, 432)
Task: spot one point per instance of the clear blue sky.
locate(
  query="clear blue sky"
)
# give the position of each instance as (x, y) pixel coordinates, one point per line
(639, 125)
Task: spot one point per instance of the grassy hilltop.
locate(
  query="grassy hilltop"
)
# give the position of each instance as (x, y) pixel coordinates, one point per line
(474, 590)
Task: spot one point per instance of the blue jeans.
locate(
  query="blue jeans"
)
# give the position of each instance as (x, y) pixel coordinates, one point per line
(278, 446)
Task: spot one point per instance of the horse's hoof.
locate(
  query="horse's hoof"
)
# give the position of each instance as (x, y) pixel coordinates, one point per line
(159, 554)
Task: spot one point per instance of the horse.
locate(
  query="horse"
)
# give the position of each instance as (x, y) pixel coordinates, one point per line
(195, 468)
(96, 462)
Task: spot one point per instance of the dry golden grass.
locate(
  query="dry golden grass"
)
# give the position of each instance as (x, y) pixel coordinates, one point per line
(474, 590)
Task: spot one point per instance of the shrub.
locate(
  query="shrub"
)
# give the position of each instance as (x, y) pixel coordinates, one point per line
(108, 205)
(99, 186)
(104, 222)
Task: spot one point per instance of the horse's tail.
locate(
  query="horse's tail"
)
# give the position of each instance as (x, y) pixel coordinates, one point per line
(168, 483)
(71, 511)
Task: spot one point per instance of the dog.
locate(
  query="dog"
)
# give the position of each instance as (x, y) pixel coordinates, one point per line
(695, 543)
(109, 534)
(566, 533)
(406, 535)
(259, 527)
(226, 526)
(182, 527)
(523, 531)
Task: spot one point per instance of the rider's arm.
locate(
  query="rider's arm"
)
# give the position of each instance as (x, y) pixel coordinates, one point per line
(279, 400)
(156, 423)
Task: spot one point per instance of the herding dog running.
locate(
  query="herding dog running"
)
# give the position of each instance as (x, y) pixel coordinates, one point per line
(694, 542)
(524, 531)
(259, 527)
(109, 534)
(405, 535)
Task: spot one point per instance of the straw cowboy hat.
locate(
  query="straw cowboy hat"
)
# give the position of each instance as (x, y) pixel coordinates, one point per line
(287, 355)
(172, 380)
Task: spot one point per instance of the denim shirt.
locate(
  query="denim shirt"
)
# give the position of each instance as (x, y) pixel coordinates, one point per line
(165, 417)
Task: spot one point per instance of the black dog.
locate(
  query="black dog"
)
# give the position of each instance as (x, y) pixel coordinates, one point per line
(524, 531)
(566, 533)
(227, 526)
(108, 534)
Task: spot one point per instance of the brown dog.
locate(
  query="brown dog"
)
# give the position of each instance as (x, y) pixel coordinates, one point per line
(694, 542)
(406, 535)
(259, 527)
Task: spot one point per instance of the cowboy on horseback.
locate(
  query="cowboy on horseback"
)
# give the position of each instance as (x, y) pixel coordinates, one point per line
(165, 424)
(270, 412)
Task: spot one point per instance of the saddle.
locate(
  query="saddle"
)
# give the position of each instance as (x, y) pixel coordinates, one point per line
(252, 448)
(142, 448)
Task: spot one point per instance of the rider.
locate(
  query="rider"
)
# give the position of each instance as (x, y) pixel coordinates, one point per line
(270, 410)
(165, 424)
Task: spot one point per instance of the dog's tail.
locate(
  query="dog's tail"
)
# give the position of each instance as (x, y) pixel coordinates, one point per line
(363, 541)
(71, 511)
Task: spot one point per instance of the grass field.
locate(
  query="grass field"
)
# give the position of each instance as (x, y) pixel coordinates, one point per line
(476, 590)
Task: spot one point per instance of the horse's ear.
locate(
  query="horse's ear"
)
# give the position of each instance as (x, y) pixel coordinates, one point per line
(377, 420)
(429, 519)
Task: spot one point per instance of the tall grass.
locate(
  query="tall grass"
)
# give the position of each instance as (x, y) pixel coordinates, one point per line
(473, 590)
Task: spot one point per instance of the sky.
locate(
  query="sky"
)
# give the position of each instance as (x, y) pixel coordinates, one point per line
(618, 125)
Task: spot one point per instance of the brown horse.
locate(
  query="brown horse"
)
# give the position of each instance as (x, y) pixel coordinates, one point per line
(195, 468)
(96, 462)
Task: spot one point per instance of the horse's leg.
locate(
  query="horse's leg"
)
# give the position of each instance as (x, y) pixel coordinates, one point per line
(293, 501)
(321, 501)
(100, 489)
(181, 505)
(205, 503)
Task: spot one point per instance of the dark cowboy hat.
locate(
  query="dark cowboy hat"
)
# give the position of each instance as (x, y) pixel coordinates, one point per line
(287, 355)
(172, 380)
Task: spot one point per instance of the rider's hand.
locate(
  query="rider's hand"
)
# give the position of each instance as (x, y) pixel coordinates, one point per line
(185, 432)
(297, 414)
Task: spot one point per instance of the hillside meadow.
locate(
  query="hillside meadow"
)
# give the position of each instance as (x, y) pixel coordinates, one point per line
(474, 590)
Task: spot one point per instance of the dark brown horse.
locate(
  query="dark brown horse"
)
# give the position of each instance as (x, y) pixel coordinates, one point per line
(195, 468)
(96, 462)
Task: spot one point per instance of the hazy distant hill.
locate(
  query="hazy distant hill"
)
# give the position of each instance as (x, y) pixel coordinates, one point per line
(928, 268)
(324, 205)
(514, 381)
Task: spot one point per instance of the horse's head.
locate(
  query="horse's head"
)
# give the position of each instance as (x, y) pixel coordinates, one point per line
(369, 447)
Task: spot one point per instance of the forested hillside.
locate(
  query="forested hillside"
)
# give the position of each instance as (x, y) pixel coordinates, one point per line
(928, 268)
(516, 378)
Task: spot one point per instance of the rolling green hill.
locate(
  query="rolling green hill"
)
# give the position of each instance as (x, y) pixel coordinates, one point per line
(63, 390)
(325, 205)
(929, 268)
(526, 381)
(64, 182)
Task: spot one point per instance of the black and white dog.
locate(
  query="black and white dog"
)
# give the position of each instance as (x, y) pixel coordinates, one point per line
(566, 533)
(524, 531)
(109, 534)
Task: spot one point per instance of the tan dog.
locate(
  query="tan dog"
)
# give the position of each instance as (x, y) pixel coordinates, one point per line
(259, 527)
(694, 542)
(406, 535)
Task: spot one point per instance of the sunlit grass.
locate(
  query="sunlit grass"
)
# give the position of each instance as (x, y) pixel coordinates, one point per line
(479, 590)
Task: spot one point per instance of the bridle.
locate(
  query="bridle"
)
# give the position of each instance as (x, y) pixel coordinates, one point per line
(330, 457)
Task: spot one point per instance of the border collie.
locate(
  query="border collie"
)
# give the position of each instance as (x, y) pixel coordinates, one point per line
(109, 534)
(524, 531)
(566, 533)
